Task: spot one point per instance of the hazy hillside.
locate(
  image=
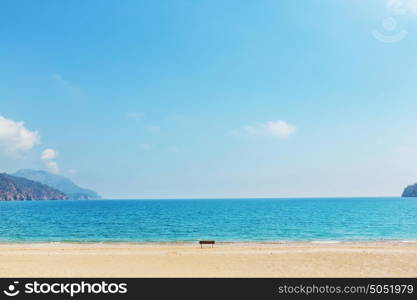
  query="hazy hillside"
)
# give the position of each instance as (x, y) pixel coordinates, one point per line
(58, 182)
(16, 188)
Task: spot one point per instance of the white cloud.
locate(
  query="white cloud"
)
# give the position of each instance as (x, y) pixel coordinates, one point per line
(278, 128)
(49, 154)
(15, 137)
(402, 6)
(52, 166)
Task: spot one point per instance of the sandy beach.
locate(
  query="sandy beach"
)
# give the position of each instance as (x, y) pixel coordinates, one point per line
(382, 259)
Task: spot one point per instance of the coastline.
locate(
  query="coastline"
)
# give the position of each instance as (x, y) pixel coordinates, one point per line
(237, 259)
(217, 242)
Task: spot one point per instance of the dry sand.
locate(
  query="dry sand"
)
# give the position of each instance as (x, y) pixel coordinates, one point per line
(383, 259)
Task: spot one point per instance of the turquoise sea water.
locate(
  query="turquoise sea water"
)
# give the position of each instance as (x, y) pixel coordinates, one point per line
(329, 219)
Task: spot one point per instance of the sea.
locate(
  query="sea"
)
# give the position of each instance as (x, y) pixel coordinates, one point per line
(316, 220)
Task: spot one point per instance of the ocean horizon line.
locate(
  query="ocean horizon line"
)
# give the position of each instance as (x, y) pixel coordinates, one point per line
(242, 198)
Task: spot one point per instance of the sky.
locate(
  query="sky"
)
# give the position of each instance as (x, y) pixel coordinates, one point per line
(210, 98)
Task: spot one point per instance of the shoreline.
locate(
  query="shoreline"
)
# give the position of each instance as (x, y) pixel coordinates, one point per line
(366, 259)
(175, 243)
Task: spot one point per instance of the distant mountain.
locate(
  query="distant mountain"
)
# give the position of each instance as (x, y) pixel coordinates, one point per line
(58, 182)
(410, 191)
(17, 188)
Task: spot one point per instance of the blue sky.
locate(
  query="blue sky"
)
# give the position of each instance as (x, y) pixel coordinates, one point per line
(171, 99)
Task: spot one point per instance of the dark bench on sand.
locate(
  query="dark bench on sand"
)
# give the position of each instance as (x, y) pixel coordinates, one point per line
(207, 243)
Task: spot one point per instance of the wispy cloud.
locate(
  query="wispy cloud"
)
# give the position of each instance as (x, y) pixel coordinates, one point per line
(48, 156)
(66, 85)
(402, 6)
(280, 129)
(52, 167)
(15, 137)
